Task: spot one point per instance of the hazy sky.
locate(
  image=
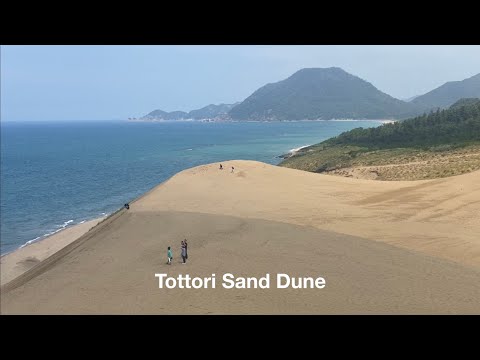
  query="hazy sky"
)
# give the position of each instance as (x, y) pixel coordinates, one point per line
(117, 82)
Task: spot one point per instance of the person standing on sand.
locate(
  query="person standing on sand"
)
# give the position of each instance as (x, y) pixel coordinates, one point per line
(184, 253)
(232, 169)
(186, 248)
(221, 167)
(169, 256)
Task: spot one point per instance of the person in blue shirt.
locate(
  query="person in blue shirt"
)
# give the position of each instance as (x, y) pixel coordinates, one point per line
(170, 256)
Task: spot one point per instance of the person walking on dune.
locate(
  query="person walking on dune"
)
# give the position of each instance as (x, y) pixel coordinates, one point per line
(186, 248)
(184, 252)
(169, 256)
(233, 169)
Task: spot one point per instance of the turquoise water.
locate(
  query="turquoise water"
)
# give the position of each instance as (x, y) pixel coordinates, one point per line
(55, 175)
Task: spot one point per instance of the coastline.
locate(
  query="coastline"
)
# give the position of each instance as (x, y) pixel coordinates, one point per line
(17, 262)
(255, 121)
(20, 233)
(22, 259)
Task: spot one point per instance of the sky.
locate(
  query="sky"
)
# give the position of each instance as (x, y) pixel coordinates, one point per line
(64, 83)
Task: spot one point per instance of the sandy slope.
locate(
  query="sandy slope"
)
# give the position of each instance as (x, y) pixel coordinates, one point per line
(23, 259)
(276, 222)
(438, 217)
(113, 272)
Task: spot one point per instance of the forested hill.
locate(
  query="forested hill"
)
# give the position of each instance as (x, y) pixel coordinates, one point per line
(322, 93)
(442, 143)
(459, 123)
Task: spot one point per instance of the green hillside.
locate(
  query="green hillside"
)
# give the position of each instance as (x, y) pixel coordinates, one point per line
(318, 93)
(442, 143)
(457, 124)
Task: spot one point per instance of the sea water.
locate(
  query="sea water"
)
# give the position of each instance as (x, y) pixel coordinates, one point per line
(58, 174)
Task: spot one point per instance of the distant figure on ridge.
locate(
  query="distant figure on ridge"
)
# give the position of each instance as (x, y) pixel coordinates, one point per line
(169, 256)
(232, 169)
(221, 167)
(184, 253)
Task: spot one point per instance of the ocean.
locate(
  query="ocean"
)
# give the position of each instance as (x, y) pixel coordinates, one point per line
(58, 174)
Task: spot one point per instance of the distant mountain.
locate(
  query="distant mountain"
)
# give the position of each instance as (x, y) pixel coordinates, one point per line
(411, 98)
(318, 93)
(211, 111)
(208, 112)
(450, 92)
(465, 102)
(163, 115)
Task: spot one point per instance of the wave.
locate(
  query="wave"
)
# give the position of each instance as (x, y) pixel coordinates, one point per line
(293, 151)
(65, 224)
(59, 228)
(31, 241)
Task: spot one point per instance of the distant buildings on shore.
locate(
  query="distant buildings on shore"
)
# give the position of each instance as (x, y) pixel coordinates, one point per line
(144, 119)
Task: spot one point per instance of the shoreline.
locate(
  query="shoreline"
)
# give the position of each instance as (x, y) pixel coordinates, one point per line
(25, 257)
(22, 259)
(57, 227)
(383, 121)
(18, 261)
(66, 225)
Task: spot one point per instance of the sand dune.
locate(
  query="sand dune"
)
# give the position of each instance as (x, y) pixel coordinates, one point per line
(266, 219)
(438, 217)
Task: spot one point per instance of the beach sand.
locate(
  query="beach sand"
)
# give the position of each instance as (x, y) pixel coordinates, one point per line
(267, 219)
(17, 262)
